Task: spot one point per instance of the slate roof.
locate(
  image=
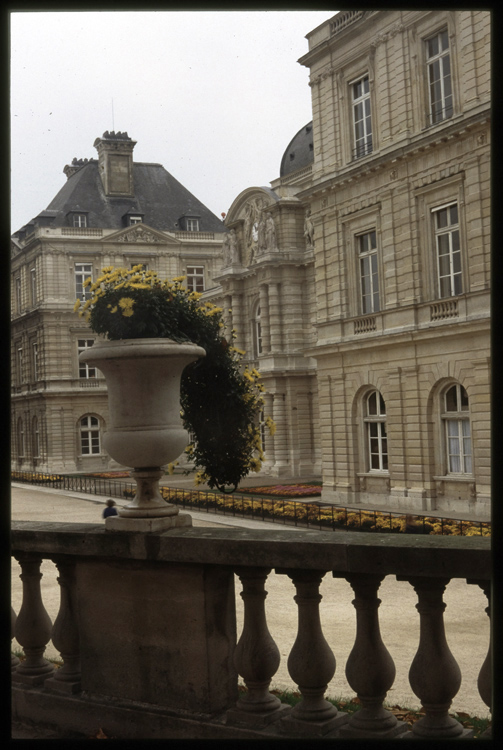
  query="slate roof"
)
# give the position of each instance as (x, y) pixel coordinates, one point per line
(158, 196)
(299, 152)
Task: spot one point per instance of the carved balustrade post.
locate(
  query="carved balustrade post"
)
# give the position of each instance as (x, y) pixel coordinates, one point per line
(370, 670)
(484, 682)
(311, 663)
(434, 674)
(65, 632)
(256, 657)
(13, 659)
(33, 625)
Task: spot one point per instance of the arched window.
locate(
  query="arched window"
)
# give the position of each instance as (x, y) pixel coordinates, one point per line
(375, 426)
(90, 441)
(257, 332)
(35, 436)
(20, 438)
(456, 418)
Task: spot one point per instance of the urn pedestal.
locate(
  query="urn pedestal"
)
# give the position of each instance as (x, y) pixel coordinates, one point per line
(145, 429)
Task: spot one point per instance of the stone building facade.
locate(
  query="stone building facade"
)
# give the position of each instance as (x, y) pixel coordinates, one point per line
(368, 316)
(111, 211)
(358, 283)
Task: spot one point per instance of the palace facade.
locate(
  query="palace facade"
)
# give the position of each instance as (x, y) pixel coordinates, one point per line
(358, 282)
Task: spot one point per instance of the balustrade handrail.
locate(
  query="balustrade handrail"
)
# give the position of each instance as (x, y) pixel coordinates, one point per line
(306, 513)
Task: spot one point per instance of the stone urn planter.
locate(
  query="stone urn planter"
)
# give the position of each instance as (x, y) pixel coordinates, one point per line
(145, 430)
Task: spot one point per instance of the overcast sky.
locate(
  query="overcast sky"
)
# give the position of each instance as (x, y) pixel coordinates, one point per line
(215, 97)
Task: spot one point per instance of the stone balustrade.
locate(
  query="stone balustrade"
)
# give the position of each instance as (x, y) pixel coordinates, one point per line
(147, 632)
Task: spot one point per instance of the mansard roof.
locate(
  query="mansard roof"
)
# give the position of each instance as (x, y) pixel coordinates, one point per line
(158, 197)
(299, 152)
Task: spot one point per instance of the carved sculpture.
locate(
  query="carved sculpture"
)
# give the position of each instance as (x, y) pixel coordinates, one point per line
(309, 229)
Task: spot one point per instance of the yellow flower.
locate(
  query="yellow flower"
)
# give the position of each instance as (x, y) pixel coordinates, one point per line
(76, 305)
(171, 467)
(87, 281)
(114, 309)
(127, 312)
(138, 285)
(235, 349)
(179, 279)
(126, 302)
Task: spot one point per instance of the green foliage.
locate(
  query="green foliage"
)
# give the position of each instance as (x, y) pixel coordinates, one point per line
(220, 404)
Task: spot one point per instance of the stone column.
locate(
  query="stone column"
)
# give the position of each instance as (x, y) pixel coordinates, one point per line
(33, 625)
(65, 633)
(256, 657)
(227, 316)
(370, 669)
(311, 663)
(275, 321)
(264, 318)
(434, 674)
(281, 437)
(269, 439)
(237, 322)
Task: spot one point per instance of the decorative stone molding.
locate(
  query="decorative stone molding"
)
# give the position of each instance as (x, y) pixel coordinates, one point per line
(138, 234)
(384, 36)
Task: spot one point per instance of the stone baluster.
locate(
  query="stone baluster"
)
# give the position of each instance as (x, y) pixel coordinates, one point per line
(484, 682)
(434, 674)
(311, 663)
(256, 657)
(33, 625)
(65, 633)
(13, 659)
(370, 670)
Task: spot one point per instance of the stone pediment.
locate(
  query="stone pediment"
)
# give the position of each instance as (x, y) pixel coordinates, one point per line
(140, 234)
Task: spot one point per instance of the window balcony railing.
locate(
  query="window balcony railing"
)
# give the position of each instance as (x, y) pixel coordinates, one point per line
(362, 149)
(443, 310)
(147, 632)
(365, 325)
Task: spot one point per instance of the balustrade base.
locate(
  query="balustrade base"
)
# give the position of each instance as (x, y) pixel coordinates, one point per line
(292, 725)
(349, 732)
(33, 679)
(256, 719)
(466, 734)
(117, 523)
(63, 686)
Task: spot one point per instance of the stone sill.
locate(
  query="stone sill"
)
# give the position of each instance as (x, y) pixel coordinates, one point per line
(348, 551)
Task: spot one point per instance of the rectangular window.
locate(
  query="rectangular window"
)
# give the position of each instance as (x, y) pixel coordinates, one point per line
(448, 248)
(369, 277)
(85, 371)
(18, 294)
(34, 359)
(192, 225)
(438, 65)
(459, 446)
(33, 279)
(378, 446)
(195, 278)
(79, 220)
(83, 271)
(135, 220)
(19, 365)
(362, 120)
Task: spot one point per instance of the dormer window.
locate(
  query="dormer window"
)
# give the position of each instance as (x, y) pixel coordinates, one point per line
(78, 218)
(135, 220)
(189, 223)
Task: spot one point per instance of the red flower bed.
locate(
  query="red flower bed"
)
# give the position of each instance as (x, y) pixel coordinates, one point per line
(110, 474)
(285, 490)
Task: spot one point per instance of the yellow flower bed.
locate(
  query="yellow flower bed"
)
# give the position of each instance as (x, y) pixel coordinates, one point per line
(325, 516)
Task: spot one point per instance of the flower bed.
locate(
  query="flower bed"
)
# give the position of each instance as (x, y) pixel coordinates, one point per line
(285, 490)
(110, 474)
(324, 517)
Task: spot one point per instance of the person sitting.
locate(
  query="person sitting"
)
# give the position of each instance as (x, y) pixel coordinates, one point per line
(111, 509)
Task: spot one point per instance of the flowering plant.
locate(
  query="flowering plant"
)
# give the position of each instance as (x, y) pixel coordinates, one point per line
(220, 403)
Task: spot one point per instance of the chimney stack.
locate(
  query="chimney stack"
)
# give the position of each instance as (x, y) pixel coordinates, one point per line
(115, 163)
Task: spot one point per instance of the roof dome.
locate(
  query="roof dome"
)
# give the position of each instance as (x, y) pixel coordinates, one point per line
(299, 152)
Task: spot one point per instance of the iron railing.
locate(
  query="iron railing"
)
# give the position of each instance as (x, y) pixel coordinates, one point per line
(309, 513)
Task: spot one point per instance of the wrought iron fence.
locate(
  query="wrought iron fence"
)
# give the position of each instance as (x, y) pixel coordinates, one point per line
(308, 513)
